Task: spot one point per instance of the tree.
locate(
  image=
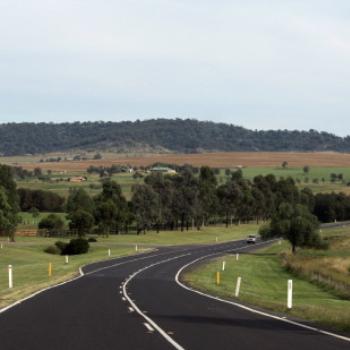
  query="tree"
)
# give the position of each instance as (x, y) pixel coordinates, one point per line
(111, 200)
(79, 199)
(294, 223)
(306, 169)
(81, 222)
(52, 223)
(8, 203)
(285, 165)
(207, 193)
(144, 204)
(8, 218)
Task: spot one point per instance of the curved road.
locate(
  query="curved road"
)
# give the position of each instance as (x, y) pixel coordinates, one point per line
(136, 303)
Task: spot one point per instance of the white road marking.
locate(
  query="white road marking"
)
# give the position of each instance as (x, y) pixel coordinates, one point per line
(131, 309)
(81, 274)
(177, 280)
(149, 327)
(142, 314)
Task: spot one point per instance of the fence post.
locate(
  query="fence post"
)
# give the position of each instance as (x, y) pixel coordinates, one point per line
(10, 276)
(290, 294)
(217, 278)
(238, 286)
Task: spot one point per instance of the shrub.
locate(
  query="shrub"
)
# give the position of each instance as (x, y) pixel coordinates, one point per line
(61, 246)
(92, 240)
(52, 249)
(76, 246)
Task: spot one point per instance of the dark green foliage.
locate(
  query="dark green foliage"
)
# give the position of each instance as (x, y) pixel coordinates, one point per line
(78, 199)
(332, 206)
(52, 223)
(76, 246)
(81, 222)
(296, 224)
(8, 202)
(176, 135)
(92, 240)
(61, 245)
(45, 201)
(112, 214)
(146, 206)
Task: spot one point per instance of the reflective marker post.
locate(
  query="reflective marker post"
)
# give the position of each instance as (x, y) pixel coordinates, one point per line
(10, 277)
(290, 294)
(238, 286)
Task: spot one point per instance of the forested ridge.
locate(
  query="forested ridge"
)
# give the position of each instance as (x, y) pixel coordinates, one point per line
(174, 135)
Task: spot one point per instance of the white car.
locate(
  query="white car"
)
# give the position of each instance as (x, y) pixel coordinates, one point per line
(251, 239)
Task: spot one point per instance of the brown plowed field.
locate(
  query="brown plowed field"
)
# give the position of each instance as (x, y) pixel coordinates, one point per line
(220, 160)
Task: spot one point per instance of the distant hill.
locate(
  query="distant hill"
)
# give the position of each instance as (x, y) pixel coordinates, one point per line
(159, 135)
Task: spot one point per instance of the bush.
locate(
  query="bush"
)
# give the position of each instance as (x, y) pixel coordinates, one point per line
(92, 240)
(52, 249)
(76, 246)
(61, 246)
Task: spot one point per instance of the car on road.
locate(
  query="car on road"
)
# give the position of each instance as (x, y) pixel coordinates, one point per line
(251, 239)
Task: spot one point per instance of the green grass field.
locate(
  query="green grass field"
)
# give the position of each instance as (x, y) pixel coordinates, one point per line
(30, 262)
(29, 222)
(126, 181)
(264, 284)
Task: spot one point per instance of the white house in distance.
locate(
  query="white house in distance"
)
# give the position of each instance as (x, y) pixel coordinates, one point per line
(162, 169)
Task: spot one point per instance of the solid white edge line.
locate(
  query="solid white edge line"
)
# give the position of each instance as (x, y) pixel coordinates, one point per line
(149, 327)
(148, 319)
(81, 274)
(262, 313)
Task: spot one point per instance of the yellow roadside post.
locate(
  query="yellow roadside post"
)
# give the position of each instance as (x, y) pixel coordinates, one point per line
(50, 269)
(217, 278)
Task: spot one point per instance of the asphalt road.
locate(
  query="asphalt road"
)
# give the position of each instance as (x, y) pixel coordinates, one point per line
(136, 303)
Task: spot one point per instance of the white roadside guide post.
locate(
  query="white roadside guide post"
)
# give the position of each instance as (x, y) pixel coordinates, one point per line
(109, 252)
(290, 294)
(1, 246)
(10, 277)
(136, 248)
(216, 240)
(238, 286)
(223, 265)
(67, 259)
(237, 256)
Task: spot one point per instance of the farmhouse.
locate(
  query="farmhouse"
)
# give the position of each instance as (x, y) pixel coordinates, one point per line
(78, 179)
(164, 170)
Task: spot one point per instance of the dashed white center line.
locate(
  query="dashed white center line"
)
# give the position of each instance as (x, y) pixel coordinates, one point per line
(149, 327)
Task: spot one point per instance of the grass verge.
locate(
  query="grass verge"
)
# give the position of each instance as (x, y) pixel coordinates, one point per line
(264, 284)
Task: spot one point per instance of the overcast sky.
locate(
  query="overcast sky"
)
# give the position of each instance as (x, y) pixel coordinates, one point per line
(257, 63)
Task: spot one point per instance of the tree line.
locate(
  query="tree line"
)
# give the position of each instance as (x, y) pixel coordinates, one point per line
(175, 135)
(179, 202)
